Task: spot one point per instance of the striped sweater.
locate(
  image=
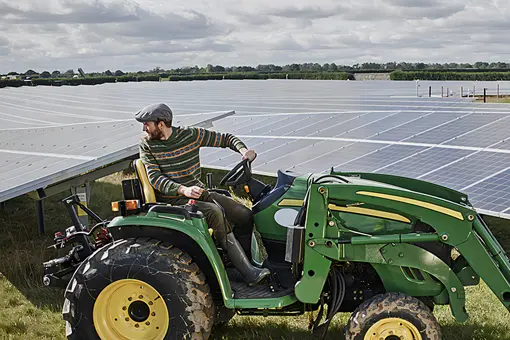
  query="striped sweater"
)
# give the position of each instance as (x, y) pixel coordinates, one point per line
(175, 161)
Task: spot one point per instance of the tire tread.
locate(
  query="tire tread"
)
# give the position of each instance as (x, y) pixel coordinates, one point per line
(201, 307)
(384, 304)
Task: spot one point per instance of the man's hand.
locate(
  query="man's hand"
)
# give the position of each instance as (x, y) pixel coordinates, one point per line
(190, 192)
(248, 154)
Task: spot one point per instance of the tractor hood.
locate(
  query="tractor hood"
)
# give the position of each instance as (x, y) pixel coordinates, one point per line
(406, 184)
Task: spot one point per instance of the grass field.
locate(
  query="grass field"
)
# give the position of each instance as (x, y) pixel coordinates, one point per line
(29, 311)
(503, 99)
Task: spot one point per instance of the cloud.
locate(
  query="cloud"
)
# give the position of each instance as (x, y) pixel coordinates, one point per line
(305, 12)
(252, 19)
(393, 10)
(476, 17)
(89, 29)
(413, 3)
(281, 42)
(190, 25)
(46, 28)
(4, 46)
(70, 12)
(141, 34)
(126, 19)
(152, 48)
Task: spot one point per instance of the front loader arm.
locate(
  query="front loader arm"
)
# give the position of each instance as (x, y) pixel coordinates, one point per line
(412, 184)
(454, 224)
(488, 259)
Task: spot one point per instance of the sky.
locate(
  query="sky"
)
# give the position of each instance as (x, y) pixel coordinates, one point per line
(134, 35)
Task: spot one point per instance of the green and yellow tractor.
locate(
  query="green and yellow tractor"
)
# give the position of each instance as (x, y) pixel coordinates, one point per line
(386, 249)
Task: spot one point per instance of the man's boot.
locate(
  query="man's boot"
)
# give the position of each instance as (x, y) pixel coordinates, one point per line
(252, 275)
(245, 242)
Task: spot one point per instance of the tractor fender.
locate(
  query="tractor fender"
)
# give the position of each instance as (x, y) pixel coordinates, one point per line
(186, 234)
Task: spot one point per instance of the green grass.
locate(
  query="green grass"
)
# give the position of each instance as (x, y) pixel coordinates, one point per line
(504, 99)
(29, 311)
(22, 319)
(495, 100)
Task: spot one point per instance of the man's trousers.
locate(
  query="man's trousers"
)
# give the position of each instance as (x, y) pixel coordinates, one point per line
(215, 206)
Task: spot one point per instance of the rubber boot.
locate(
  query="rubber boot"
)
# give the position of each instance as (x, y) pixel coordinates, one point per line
(245, 242)
(252, 275)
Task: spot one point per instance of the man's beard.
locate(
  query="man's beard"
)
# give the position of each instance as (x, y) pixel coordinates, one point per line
(155, 135)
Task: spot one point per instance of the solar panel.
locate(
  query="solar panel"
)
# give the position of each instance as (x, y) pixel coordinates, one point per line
(418, 127)
(381, 157)
(486, 135)
(422, 162)
(492, 193)
(464, 171)
(300, 126)
(35, 158)
(463, 124)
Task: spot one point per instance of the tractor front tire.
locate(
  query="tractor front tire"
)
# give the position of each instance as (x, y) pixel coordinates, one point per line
(138, 289)
(392, 316)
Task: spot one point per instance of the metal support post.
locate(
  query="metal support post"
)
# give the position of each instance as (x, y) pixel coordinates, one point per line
(485, 95)
(39, 207)
(430, 91)
(442, 92)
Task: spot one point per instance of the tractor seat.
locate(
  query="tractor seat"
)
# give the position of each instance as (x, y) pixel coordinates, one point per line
(148, 193)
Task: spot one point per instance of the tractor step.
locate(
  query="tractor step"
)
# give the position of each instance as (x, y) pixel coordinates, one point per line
(262, 290)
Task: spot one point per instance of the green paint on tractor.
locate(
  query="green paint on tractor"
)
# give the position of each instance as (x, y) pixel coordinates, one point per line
(338, 239)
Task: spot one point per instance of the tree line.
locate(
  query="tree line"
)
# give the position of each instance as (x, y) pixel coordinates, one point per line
(294, 67)
(450, 75)
(481, 71)
(96, 80)
(332, 67)
(67, 74)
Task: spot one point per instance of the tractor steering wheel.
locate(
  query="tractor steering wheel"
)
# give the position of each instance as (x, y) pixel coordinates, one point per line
(240, 174)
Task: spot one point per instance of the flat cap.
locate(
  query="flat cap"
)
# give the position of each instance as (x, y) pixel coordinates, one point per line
(154, 112)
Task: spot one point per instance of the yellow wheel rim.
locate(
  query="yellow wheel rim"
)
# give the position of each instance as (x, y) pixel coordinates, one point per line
(393, 329)
(132, 310)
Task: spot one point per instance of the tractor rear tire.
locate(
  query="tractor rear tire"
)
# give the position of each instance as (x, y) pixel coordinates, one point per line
(392, 316)
(138, 289)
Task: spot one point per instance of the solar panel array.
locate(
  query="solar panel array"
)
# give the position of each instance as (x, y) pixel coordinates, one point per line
(298, 126)
(66, 140)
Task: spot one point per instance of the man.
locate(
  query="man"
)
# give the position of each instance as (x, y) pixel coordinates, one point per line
(171, 157)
